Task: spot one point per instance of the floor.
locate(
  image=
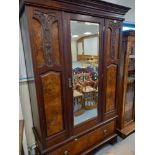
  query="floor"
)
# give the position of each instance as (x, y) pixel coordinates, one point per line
(123, 147)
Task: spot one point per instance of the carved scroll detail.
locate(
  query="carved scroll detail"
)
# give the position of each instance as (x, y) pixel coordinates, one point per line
(114, 25)
(46, 21)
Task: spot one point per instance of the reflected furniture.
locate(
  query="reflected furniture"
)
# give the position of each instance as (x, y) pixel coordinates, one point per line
(79, 107)
(126, 120)
(89, 91)
(78, 97)
(46, 34)
(84, 93)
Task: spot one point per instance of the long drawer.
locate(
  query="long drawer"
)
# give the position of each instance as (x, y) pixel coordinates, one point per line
(85, 142)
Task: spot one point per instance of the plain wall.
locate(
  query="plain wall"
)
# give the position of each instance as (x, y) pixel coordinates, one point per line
(24, 107)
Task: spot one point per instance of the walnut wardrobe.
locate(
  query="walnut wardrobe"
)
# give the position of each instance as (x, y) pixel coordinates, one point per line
(72, 53)
(126, 106)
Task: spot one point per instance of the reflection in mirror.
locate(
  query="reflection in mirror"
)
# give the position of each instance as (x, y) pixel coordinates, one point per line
(84, 49)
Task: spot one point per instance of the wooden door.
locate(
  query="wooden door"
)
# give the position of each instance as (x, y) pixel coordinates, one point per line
(49, 71)
(84, 25)
(111, 66)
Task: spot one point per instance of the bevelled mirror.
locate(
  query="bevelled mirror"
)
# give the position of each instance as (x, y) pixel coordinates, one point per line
(85, 52)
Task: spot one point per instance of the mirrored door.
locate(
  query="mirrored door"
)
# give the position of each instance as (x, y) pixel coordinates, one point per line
(85, 64)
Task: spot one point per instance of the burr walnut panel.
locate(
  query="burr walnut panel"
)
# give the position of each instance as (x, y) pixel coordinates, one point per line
(46, 37)
(51, 83)
(111, 87)
(55, 43)
(37, 39)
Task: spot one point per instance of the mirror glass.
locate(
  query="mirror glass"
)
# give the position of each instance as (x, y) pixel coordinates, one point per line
(85, 51)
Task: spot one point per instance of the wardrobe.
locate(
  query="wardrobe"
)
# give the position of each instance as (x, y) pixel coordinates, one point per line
(72, 53)
(126, 107)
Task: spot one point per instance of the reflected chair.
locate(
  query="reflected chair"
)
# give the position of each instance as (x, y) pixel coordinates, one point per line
(78, 96)
(89, 91)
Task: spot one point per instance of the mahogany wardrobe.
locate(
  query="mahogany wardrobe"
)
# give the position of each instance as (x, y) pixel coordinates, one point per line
(72, 53)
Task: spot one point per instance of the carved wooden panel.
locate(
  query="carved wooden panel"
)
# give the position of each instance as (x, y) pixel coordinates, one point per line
(113, 35)
(48, 41)
(109, 31)
(55, 43)
(37, 35)
(117, 43)
(51, 83)
(111, 87)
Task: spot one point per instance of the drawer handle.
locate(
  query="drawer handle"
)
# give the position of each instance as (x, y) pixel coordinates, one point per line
(66, 153)
(105, 132)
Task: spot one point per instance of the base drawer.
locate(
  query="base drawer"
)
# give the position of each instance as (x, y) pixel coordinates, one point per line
(77, 146)
(73, 147)
(101, 133)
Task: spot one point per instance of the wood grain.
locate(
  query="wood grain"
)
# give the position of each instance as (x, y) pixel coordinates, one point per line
(37, 37)
(55, 43)
(108, 44)
(111, 87)
(126, 108)
(78, 145)
(117, 43)
(52, 102)
(48, 26)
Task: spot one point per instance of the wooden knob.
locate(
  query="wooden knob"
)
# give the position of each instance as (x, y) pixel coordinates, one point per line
(105, 132)
(66, 153)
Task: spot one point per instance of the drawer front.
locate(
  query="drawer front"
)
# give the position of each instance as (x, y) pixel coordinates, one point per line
(101, 133)
(83, 143)
(72, 148)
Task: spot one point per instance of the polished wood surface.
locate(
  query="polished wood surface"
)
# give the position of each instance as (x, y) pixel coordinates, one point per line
(55, 43)
(78, 145)
(52, 101)
(46, 37)
(37, 35)
(112, 55)
(45, 27)
(111, 87)
(94, 7)
(75, 147)
(127, 107)
(109, 35)
(46, 135)
(117, 37)
(126, 131)
(113, 39)
(99, 134)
